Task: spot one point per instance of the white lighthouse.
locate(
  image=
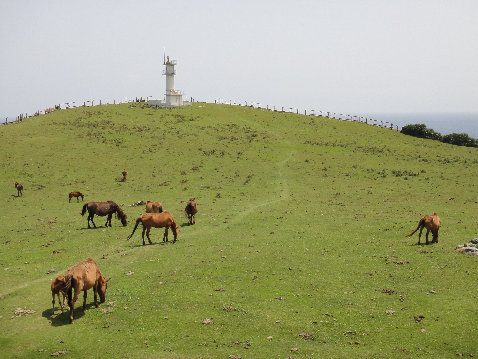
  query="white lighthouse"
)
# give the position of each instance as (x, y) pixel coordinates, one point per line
(172, 97)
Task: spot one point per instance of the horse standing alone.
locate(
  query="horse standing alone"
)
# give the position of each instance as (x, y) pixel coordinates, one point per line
(431, 223)
(19, 188)
(77, 195)
(103, 209)
(191, 210)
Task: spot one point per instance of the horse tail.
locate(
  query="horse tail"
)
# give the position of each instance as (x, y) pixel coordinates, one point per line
(83, 211)
(420, 223)
(69, 288)
(136, 226)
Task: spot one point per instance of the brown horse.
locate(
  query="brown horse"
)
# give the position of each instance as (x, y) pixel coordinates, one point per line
(191, 210)
(58, 285)
(19, 188)
(77, 195)
(156, 220)
(431, 223)
(154, 207)
(82, 277)
(103, 209)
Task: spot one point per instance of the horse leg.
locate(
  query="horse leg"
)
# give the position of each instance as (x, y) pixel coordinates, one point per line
(53, 300)
(147, 235)
(194, 219)
(165, 236)
(108, 220)
(95, 294)
(62, 304)
(69, 199)
(142, 235)
(428, 231)
(85, 293)
(92, 215)
(420, 234)
(72, 303)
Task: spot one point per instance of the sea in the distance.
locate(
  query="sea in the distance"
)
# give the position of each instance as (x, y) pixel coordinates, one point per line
(444, 123)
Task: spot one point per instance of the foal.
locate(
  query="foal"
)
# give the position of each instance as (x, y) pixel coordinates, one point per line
(58, 285)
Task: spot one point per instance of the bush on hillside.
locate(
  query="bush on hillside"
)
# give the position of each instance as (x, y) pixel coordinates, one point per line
(420, 130)
(460, 139)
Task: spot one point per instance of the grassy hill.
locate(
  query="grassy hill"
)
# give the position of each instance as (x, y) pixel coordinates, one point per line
(298, 250)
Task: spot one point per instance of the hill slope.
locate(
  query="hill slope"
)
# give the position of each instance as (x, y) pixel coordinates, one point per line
(299, 242)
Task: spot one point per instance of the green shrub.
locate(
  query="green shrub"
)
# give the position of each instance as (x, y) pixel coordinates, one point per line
(460, 139)
(420, 130)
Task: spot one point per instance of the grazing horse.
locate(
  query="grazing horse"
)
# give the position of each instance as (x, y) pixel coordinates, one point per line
(154, 207)
(19, 188)
(82, 277)
(77, 195)
(124, 173)
(431, 223)
(57, 286)
(156, 220)
(103, 209)
(191, 210)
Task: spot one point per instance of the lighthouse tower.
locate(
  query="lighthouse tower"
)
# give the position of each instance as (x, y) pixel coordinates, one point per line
(173, 97)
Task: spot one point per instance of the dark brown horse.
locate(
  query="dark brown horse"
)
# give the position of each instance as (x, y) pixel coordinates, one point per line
(77, 195)
(19, 188)
(104, 209)
(191, 210)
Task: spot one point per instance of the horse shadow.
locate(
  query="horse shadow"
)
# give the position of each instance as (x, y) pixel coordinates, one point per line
(184, 224)
(149, 244)
(63, 318)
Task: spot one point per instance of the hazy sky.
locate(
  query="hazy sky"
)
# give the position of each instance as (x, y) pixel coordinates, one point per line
(342, 56)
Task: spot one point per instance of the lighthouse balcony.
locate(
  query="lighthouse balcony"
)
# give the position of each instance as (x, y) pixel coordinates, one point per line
(174, 92)
(169, 72)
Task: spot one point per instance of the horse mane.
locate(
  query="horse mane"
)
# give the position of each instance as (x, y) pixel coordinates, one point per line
(119, 212)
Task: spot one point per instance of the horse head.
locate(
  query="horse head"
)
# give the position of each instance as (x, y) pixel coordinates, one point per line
(122, 217)
(101, 288)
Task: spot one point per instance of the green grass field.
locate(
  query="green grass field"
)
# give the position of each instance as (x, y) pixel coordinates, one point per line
(298, 251)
